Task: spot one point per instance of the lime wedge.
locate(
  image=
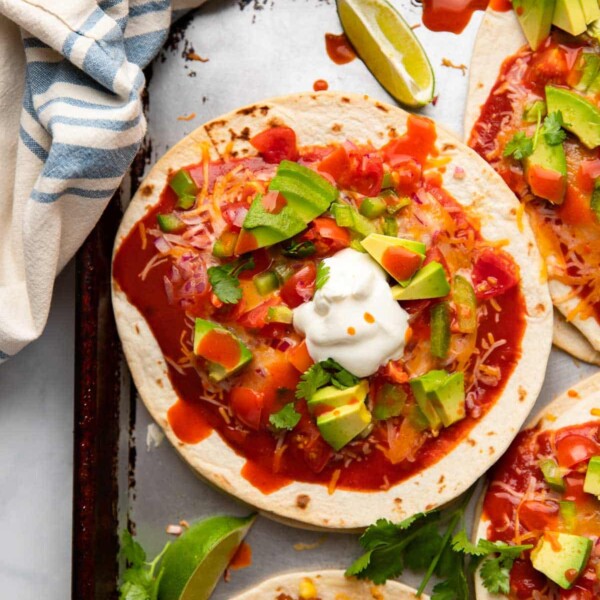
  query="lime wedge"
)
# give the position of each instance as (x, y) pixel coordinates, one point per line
(194, 563)
(390, 49)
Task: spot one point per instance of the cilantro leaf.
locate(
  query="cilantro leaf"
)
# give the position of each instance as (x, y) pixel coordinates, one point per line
(311, 381)
(224, 280)
(286, 418)
(505, 550)
(131, 550)
(455, 587)
(496, 576)
(322, 275)
(461, 543)
(520, 146)
(340, 377)
(359, 565)
(552, 129)
(299, 249)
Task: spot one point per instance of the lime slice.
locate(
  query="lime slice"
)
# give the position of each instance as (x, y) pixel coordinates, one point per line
(390, 49)
(194, 563)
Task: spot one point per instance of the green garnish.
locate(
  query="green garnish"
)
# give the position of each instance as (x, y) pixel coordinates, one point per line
(428, 542)
(286, 419)
(552, 129)
(299, 250)
(322, 275)
(185, 187)
(520, 146)
(595, 200)
(224, 280)
(139, 580)
(440, 330)
(321, 374)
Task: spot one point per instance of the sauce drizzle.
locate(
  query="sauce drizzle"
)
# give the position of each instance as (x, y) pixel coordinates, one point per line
(339, 49)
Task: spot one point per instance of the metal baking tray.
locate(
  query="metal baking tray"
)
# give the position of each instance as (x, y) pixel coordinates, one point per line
(226, 54)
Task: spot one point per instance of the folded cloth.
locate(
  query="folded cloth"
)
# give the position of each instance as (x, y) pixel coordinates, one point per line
(71, 122)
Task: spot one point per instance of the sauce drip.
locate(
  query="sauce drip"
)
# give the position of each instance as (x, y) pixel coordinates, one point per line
(320, 85)
(454, 15)
(242, 557)
(339, 49)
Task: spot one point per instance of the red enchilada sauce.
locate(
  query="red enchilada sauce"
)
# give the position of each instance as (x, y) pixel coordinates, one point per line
(454, 15)
(518, 493)
(569, 231)
(339, 49)
(240, 409)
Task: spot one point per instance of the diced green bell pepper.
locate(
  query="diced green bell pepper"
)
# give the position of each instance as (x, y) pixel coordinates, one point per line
(284, 272)
(568, 514)
(595, 200)
(440, 330)
(347, 216)
(388, 181)
(390, 226)
(170, 223)
(389, 401)
(224, 247)
(185, 187)
(464, 298)
(552, 474)
(266, 282)
(372, 208)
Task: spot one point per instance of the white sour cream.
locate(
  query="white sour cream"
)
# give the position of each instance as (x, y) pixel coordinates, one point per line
(353, 318)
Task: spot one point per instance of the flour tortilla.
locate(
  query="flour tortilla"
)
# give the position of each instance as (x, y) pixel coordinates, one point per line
(500, 37)
(572, 407)
(325, 118)
(330, 585)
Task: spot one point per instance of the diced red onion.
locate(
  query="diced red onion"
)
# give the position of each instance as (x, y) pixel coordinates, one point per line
(162, 245)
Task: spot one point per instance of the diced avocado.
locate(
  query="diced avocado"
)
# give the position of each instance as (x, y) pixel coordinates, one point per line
(343, 424)
(440, 330)
(280, 314)
(372, 208)
(552, 474)
(308, 194)
(591, 10)
(535, 17)
(422, 387)
(534, 112)
(429, 282)
(377, 245)
(224, 247)
(389, 401)
(568, 514)
(591, 484)
(580, 116)
(170, 223)
(588, 66)
(266, 282)
(331, 397)
(569, 16)
(449, 399)
(212, 350)
(561, 557)
(346, 216)
(546, 171)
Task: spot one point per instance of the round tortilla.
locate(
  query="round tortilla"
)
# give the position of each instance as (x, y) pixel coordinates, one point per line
(329, 585)
(572, 407)
(504, 29)
(326, 118)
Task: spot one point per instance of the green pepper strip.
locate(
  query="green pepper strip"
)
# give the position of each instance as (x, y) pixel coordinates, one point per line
(463, 295)
(440, 330)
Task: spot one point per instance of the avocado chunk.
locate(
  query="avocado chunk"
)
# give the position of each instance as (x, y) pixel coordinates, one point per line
(535, 17)
(580, 116)
(546, 171)
(330, 397)
(380, 248)
(341, 425)
(429, 282)
(534, 112)
(223, 351)
(569, 16)
(422, 388)
(561, 557)
(389, 401)
(591, 485)
(588, 66)
(552, 474)
(280, 314)
(591, 10)
(568, 514)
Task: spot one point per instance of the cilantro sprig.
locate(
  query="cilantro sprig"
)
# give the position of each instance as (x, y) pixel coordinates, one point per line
(552, 129)
(322, 275)
(520, 146)
(428, 542)
(140, 580)
(321, 374)
(299, 249)
(224, 280)
(285, 419)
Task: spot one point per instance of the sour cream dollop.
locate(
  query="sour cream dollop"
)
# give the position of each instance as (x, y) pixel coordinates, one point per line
(353, 318)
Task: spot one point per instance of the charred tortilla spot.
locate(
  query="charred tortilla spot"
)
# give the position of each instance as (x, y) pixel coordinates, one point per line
(345, 100)
(337, 127)
(244, 150)
(159, 383)
(137, 329)
(243, 135)
(490, 433)
(447, 147)
(381, 107)
(147, 189)
(513, 212)
(471, 442)
(246, 111)
(302, 501)
(429, 507)
(491, 450)
(210, 126)
(441, 479)
(392, 133)
(275, 122)
(522, 393)
(540, 309)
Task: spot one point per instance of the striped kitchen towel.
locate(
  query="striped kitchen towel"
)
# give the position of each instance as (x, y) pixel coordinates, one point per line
(71, 122)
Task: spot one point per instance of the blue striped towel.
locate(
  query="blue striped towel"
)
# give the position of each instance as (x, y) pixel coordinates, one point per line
(71, 122)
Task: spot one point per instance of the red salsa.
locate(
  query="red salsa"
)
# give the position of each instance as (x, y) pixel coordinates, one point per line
(165, 276)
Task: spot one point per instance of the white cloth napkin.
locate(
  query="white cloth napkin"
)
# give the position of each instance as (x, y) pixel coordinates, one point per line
(71, 122)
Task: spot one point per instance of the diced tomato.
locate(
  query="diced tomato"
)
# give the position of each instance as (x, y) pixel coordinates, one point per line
(409, 174)
(300, 287)
(548, 66)
(576, 209)
(418, 142)
(524, 579)
(338, 237)
(400, 262)
(494, 273)
(246, 242)
(247, 405)
(234, 213)
(574, 487)
(394, 371)
(276, 144)
(273, 202)
(535, 515)
(299, 357)
(274, 331)
(546, 183)
(434, 254)
(257, 317)
(335, 163)
(573, 449)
